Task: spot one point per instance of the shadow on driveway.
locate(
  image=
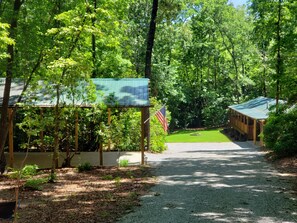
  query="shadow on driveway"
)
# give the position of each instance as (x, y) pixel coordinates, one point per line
(215, 182)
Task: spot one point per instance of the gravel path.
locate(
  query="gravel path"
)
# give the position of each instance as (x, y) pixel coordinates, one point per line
(215, 182)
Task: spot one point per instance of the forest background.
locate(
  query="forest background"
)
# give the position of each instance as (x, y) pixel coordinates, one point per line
(207, 55)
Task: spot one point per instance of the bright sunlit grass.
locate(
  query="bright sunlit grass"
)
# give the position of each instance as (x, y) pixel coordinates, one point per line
(213, 135)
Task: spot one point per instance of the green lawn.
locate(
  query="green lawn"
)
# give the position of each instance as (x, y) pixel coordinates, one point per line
(197, 136)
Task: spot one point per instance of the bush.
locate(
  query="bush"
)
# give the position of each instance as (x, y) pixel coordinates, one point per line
(280, 132)
(35, 184)
(123, 163)
(29, 170)
(84, 167)
(158, 136)
(125, 130)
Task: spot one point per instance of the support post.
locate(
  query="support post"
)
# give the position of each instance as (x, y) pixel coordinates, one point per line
(76, 132)
(109, 122)
(100, 149)
(101, 153)
(10, 137)
(261, 131)
(255, 131)
(41, 134)
(142, 135)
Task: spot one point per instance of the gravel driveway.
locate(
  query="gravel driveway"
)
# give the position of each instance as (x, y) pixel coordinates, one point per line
(215, 182)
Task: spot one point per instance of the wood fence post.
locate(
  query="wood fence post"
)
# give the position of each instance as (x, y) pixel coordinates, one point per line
(101, 154)
(142, 135)
(109, 122)
(10, 137)
(76, 132)
(255, 131)
(41, 134)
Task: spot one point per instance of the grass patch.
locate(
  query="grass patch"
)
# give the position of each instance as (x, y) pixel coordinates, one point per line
(213, 135)
(124, 163)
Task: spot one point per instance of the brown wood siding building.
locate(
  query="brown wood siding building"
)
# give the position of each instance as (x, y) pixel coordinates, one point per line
(247, 119)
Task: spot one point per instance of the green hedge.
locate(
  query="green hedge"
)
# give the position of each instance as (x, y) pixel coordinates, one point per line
(280, 132)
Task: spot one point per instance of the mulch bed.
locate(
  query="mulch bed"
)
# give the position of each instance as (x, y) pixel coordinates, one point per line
(103, 194)
(286, 166)
(99, 195)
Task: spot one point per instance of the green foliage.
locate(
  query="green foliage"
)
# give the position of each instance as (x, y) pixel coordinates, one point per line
(215, 110)
(280, 132)
(30, 125)
(117, 181)
(35, 184)
(123, 162)
(84, 167)
(158, 135)
(125, 130)
(29, 170)
(52, 178)
(275, 35)
(26, 172)
(4, 40)
(207, 55)
(107, 177)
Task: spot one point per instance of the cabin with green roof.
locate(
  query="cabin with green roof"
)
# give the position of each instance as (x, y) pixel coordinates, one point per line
(113, 92)
(247, 119)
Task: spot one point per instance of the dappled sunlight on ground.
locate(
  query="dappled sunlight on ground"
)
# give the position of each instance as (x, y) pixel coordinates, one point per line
(218, 183)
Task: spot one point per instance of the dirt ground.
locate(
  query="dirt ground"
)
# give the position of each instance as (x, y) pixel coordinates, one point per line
(286, 166)
(99, 195)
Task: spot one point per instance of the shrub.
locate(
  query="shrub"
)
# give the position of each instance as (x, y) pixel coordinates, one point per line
(29, 170)
(35, 184)
(84, 167)
(158, 136)
(280, 132)
(125, 130)
(123, 163)
(117, 181)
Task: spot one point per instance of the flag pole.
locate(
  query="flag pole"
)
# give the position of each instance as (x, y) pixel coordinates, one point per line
(153, 114)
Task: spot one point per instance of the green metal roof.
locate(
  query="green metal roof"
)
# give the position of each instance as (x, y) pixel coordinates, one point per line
(257, 108)
(121, 92)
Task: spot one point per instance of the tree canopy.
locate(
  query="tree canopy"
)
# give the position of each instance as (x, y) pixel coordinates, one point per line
(207, 54)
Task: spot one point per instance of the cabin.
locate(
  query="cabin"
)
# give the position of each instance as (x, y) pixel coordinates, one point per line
(119, 93)
(246, 120)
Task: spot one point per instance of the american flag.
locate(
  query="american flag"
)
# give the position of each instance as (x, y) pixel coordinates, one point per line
(161, 116)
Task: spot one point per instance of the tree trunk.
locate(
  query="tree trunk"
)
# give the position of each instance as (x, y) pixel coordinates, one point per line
(7, 87)
(279, 58)
(264, 90)
(150, 40)
(55, 160)
(94, 73)
(148, 64)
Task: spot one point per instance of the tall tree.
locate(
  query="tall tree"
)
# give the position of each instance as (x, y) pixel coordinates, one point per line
(9, 75)
(150, 40)
(275, 30)
(148, 62)
(279, 61)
